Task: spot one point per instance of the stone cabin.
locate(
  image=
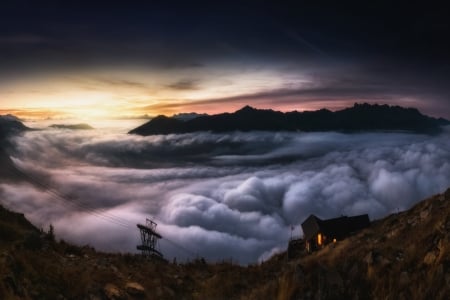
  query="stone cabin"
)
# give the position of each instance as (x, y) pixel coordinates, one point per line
(317, 232)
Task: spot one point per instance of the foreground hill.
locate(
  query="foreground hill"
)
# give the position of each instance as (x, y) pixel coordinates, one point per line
(360, 117)
(403, 256)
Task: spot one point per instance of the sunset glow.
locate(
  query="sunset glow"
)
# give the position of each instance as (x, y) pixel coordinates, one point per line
(131, 95)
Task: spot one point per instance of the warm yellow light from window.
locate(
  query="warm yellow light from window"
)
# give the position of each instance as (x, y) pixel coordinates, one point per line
(319, 239)
(334, 241)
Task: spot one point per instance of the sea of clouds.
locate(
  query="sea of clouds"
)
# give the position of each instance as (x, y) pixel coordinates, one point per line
(218, 196)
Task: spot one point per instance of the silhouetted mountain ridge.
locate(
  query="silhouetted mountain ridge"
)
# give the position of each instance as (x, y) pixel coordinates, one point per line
(360, 117)
(9, 125)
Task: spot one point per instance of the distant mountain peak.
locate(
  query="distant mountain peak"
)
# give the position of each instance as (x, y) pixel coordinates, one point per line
(81, 126)
(188, 116)
(247, 108)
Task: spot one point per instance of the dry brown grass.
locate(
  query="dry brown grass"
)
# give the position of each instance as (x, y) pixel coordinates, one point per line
(287, 287)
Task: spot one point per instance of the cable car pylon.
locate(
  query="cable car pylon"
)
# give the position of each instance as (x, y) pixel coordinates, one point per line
(149, 239)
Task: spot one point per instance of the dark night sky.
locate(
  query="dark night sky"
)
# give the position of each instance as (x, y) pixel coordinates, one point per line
(319, 54)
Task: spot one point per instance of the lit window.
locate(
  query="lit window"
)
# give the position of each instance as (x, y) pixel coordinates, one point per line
(319, 239)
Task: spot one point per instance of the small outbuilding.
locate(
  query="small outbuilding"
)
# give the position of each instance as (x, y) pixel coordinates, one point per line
(317, 232)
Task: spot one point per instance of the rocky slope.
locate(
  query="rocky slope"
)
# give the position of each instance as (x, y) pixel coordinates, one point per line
(360, 117)
(403, 256)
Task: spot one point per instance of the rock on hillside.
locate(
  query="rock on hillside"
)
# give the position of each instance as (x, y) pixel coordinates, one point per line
(403, 256)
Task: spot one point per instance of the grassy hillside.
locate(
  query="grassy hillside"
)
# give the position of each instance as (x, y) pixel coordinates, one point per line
(404, 256)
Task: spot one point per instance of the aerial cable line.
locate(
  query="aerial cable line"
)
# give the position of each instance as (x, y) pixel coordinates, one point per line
(102, 215)
(190, 252)
(56, 194)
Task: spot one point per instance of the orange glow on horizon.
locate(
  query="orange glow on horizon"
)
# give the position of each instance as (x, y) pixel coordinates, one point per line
(87, 112)
(135, 93)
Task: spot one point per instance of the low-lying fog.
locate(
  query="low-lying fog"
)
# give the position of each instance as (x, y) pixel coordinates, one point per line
(220, 196)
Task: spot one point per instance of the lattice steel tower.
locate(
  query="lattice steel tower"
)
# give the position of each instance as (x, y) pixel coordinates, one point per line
(149, 238)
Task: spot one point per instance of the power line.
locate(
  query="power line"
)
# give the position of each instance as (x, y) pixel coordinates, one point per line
(190, 252)
(67, 199)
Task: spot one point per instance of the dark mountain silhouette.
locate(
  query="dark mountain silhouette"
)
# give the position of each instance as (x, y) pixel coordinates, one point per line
(81, 126)
(360, 117)
(10, 125)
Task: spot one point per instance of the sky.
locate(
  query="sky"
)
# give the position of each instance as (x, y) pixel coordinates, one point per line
(134, 59)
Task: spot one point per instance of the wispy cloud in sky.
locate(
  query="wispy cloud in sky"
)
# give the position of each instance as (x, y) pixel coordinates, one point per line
(184, 84)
